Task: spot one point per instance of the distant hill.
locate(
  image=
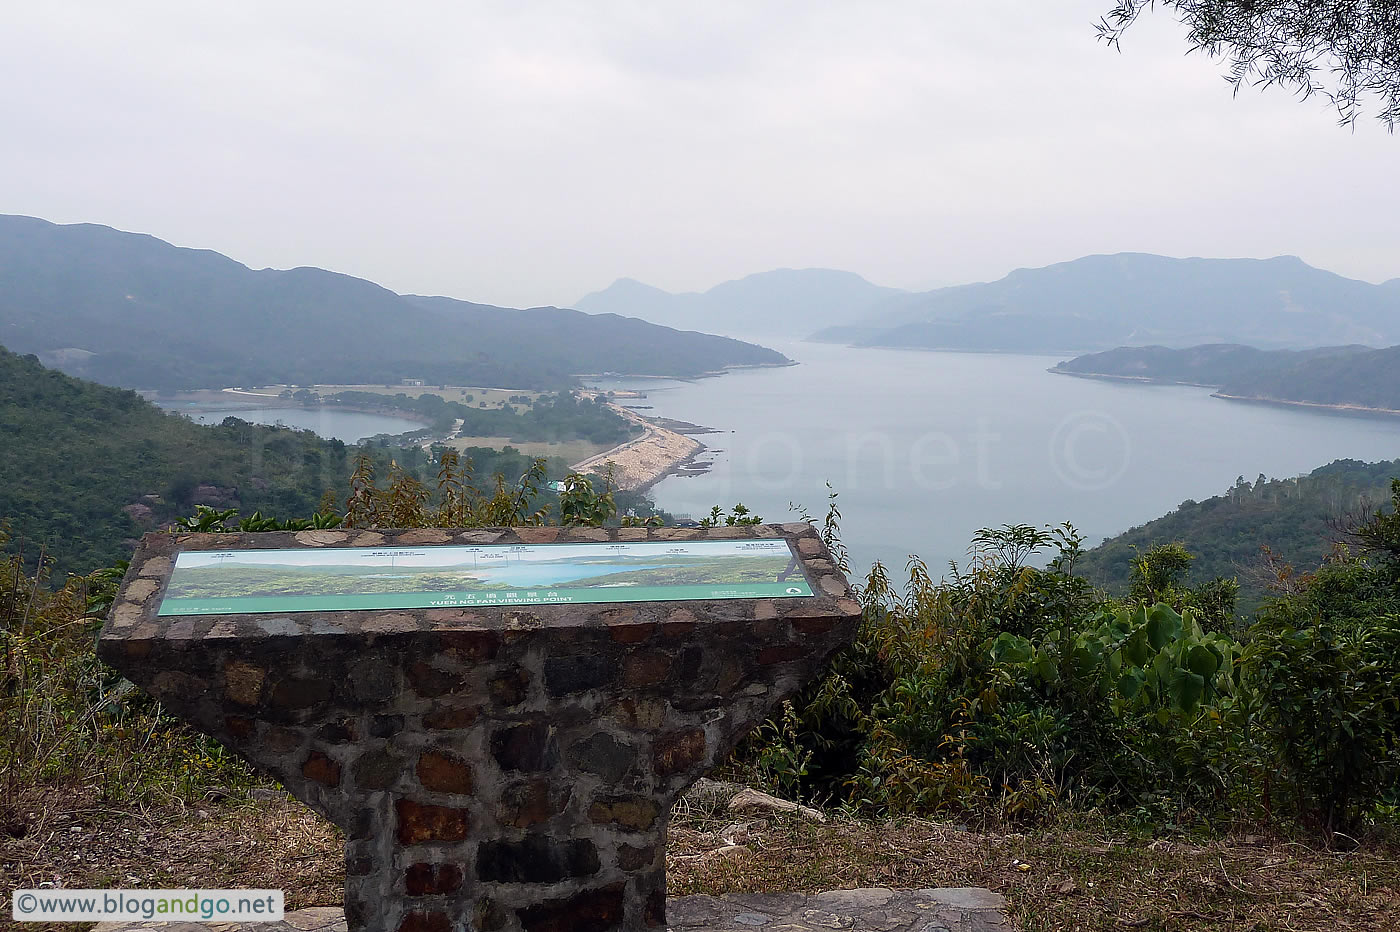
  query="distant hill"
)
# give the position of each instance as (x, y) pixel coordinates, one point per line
(1099, 302)
(1334, 376)
(783, 302)
(131, 310)
(1298, 519)
(1213, 364)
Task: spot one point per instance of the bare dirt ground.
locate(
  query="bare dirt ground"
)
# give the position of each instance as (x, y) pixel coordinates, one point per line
(1054, 879)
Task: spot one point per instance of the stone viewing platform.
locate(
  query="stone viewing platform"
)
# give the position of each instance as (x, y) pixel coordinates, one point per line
(506, 766)
(870, 910)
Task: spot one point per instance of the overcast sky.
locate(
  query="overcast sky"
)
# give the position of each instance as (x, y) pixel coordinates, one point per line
(528, 153)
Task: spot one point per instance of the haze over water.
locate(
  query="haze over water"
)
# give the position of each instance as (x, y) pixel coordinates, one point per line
(927, 447)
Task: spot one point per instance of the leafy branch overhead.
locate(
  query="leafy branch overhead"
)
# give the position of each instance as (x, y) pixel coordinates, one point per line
(1346, 50)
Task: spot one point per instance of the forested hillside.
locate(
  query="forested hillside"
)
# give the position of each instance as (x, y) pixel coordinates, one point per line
(1299, 519)
(1342, 376)
(86, 467)
(131, 310)
(1213, 364)
(1099, 302)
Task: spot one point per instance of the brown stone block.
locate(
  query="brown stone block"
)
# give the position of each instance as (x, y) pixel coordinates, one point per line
(422, 822)
(536, 859)
(781, 653)
(239, 726)
(341, 731)
(280, 740)
(243, 682)
(422, 920)
(528, 747)
(640, 714)
(590, 911)
(140, 590)
(301, 693)
(813, 625)
(449, 719)
(430, 682)
(645, 668)
(531, 802)
(678, 750)
(322, 769)
(510, 688)
(174, 684)
(444, 773)
(634, 813)
(377, 769)
(630, 858)
(425, 535)
(809, 546)
(537, 535)
(630, 633)
(470, 646)
(430, 879)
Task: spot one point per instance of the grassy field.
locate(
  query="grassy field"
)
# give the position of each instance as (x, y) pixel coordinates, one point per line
(481, 397)
(572, 451)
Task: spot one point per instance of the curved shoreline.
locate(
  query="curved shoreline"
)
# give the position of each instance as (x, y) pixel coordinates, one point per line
(644, 461)
(1353, 410)
(1138, 379)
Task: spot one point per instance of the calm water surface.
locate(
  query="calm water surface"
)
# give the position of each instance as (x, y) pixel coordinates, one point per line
(349, 426)
(926, 447)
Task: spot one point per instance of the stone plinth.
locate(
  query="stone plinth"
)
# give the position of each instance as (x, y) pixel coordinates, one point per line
(494, 768)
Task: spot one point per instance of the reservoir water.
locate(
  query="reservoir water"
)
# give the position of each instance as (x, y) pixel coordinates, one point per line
(349, 426)
(924, 448)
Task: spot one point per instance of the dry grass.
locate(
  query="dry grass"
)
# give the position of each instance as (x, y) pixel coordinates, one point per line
(492, 396)
(1053, 879)
(572, 451)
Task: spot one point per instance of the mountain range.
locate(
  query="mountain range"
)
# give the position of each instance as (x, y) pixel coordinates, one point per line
(787, 303)
(1092, 303)
(131, 310)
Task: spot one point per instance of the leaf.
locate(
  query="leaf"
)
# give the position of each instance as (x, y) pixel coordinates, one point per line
(1136, 651)
(1163, 626)
(1202, 661)
(1045, 668)
(1009, 648)
(1130, 685)
(1185, 689)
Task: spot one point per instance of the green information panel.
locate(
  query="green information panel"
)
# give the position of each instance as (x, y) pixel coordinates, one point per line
(243, 582)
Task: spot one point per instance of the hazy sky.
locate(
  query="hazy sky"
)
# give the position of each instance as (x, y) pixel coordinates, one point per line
(528, 153)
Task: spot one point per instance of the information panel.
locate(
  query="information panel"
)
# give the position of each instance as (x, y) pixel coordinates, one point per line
(244, 582)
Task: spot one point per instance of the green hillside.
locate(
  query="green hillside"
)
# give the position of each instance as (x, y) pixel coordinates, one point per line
(1355, 376)
(1368, 379)
(87, 468)
(1299, 519)
(1212, 364)
(131, 310)
(1099, 302)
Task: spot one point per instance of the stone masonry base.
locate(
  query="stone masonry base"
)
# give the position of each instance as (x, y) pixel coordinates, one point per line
(963, 909)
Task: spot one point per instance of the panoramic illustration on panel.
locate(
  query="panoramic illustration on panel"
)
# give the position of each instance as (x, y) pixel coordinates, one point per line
(250, 581)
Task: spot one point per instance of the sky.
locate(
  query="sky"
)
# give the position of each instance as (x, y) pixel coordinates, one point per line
(527, 153)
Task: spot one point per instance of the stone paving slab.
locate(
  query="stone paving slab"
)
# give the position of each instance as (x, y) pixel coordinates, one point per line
(952, 909)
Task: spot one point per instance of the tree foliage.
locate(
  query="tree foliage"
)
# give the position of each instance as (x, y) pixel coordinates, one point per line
(1346, 50)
